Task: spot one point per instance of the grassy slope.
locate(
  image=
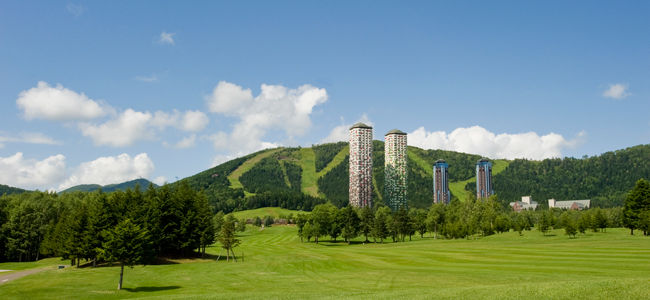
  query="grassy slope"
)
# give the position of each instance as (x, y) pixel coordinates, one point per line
(247, 165)
(274, 212)
(309, 183)
(458, 188)
(611, 265)
(339, 158)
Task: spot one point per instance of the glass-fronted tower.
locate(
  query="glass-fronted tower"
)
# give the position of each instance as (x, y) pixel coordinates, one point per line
(484, 179)
(361, 165)
(395, 171)
(441, 182)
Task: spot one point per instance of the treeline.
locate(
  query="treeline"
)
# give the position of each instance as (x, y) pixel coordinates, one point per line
(467, 219)
(280, 198)
(167, 222)
(604, 179)
(8, 190)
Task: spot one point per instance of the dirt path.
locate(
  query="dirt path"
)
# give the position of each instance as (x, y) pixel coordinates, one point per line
(18, 274)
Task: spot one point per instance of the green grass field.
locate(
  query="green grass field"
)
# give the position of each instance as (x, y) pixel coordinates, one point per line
(611, 265)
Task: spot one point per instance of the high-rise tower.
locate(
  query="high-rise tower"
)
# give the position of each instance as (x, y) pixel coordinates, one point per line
(441, 182)
(361, 165)
(395, 171)
(483, 178)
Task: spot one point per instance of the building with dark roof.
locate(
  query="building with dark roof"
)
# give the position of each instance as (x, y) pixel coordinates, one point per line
(484, 187)
(360, 189)
(395, 169)
(441, 182)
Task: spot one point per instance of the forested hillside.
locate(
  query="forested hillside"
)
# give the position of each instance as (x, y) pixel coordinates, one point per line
(605, 178)
(143, 183)
(278, 177)
(8, 190)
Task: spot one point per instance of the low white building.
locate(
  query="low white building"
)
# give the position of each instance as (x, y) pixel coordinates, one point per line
(569, 204)
(525, 203)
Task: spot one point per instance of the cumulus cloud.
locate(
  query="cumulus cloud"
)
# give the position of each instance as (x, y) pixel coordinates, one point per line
(31, 173)
(29, 138)
(478, 140)
(186, 142)
(341, 133)
(616, 91)
(275, 108)
(58, 104)
(129, 127)
(166, 38)
(132, 126)
(110, 170)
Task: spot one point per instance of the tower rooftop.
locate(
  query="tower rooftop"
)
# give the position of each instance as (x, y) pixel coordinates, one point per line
(360, 125)
(484, 159)
(396, 131)
(440, 161)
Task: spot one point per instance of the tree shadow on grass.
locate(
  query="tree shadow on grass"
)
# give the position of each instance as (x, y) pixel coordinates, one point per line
(151, 288)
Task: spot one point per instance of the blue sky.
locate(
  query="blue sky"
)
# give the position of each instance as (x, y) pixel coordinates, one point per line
(167, 89)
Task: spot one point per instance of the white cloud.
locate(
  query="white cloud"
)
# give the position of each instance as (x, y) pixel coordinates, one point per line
(186, 142)
(341, 133)
(132, 126)
(478, 140)
(616, 91)
(31, 173)
(152, 78)
(129, 127)
(29, 138)
(75, 9)
(275, 108)
(166, 38)
(193, 121)
(160, 180)
(58, 104)
(110, 170)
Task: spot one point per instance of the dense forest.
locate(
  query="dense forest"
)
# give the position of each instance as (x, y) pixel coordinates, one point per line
(605, 179)
(325, 153)
(78, 225)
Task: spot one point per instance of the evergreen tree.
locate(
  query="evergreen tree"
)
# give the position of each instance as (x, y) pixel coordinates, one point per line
(636, 202)
(126, 243)
(380, 226)
(367, 222)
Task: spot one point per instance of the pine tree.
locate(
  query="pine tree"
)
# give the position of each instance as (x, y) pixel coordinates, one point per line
(126, 243)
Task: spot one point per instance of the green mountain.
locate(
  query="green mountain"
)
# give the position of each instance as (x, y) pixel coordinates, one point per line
(8, 190)
(143, 183)
(299, 178)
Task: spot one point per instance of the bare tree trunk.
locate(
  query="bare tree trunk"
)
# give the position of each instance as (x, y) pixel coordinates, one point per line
(94, 262)
(119, 285)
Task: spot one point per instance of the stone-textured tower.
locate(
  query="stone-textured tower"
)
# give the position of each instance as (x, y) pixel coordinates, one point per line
(395, 171)
(483, 178)
(441, 182)
(361, 165)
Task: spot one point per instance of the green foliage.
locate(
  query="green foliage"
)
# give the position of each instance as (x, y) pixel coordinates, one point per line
(335, 185)
(604, 179)
(266, 176)
(227, 235)
(636, 203)
(326, 152)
